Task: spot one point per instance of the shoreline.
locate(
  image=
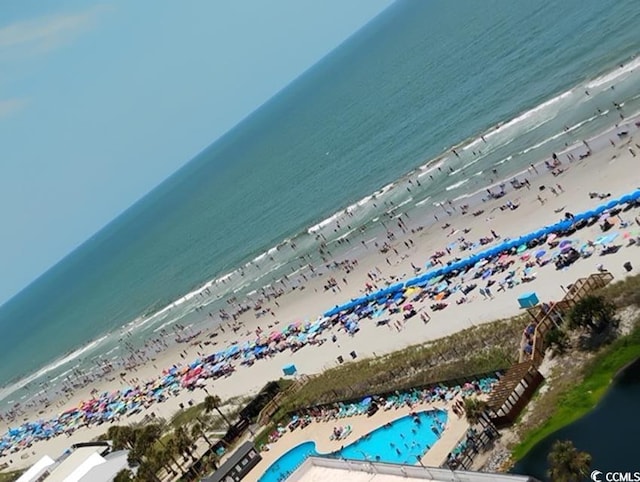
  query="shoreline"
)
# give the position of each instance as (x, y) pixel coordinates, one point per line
(441, 159)
(298, 303)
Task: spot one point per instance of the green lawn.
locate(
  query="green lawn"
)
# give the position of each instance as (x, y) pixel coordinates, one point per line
(580, 399)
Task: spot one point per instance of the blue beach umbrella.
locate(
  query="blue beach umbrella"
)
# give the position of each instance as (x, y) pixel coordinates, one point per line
(600, 209)
(611, 204)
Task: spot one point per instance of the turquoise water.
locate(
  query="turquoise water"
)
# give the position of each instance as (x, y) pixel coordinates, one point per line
(289, 462)
(403, 442)
(418, 79)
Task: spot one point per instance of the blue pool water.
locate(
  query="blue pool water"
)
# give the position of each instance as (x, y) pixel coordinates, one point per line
(402, 442)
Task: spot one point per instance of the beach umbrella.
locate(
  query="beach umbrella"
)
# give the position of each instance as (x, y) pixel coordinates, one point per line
(412, 282)
(441, 287)
(606, 239)
(611, 204)
(525, 256)
(565, 248)
(487, 273)
(612, 237)
(599, 210)
(539, 233)
(521, 248)
(366, 401)
(481, 263)
(333, 311)
(539, 254)
(565, 242)
(435, 280)
(411, 291)
(551, 237)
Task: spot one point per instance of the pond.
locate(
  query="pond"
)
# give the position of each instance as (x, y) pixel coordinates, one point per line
(609, 432)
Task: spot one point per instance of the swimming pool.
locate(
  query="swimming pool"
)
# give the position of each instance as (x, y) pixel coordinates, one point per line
(403, 441)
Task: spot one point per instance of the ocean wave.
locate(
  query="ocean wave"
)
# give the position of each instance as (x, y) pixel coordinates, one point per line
(62, 375)
(614, 75)
(424, 201)
(500, 128)
(559, 134)
(475, 161)
(457, 185)
(51, 367)
(341, 237)
(166, 324)
(326, 222)
(428, 169)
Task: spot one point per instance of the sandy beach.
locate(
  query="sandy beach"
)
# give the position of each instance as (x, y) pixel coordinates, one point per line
(612, 168)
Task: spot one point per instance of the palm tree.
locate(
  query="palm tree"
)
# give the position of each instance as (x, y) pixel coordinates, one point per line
(212, 402)
(184, 444)
(161, 458)
(122, 436)
(476, 412)
(197, 431)
(125, 475)
(594, 313)
(566, 463)
(170, 449)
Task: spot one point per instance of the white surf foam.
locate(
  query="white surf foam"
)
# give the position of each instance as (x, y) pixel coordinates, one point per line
(424, 201)
(615, 75)
(457, 185)
(51, 367)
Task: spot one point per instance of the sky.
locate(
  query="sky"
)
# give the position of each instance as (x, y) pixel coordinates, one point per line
(101, 101)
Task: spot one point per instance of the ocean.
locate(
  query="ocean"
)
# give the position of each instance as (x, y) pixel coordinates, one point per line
(387, 105)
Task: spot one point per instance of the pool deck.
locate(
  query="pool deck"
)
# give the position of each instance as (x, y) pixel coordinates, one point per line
(320, 433)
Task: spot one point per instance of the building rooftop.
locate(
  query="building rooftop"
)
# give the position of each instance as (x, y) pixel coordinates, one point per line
(76, 465)
(316, 469)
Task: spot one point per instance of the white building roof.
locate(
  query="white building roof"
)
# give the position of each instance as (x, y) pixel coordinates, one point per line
(36, 470)
(77, 465)
(114, 463)
(318, 469)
